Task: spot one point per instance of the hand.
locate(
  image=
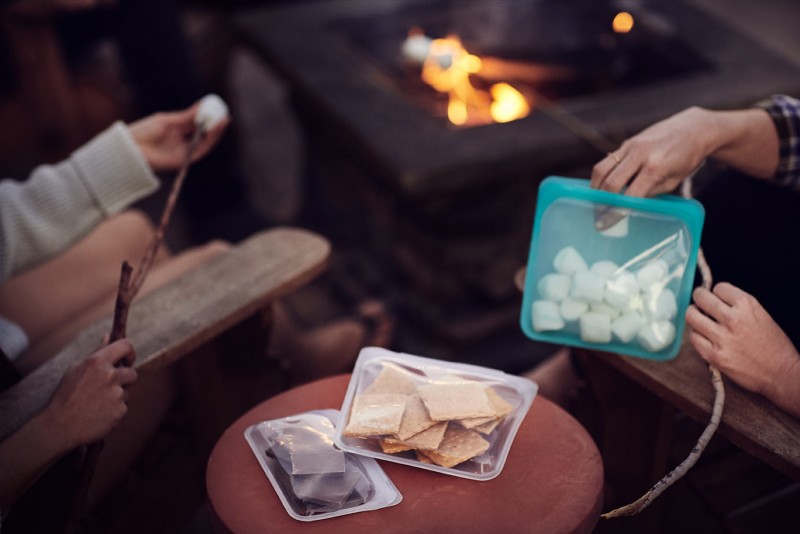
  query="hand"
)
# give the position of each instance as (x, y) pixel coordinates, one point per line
(659, 158)
(733, 332)
(164, 138)
(90, 400)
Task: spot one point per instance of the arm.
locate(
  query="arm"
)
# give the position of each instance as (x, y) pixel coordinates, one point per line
(663, 155)
(733, 332)
(59, 204)
(88, 403)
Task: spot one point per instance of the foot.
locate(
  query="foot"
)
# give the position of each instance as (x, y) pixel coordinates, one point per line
(331, 348)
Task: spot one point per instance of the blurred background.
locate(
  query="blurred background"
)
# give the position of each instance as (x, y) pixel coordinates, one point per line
(428, 201)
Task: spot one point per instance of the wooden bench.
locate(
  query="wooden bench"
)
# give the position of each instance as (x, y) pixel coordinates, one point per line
(634, 403)
(185, 315)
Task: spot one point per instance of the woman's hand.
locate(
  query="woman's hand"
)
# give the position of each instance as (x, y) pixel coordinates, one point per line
(90, 400)
(659, 158)
(164, 138)
(733, 332)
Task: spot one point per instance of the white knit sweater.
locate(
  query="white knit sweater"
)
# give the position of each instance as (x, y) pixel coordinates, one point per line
(59, 204)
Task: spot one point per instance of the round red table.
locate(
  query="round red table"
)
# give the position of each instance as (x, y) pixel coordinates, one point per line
(552, 480)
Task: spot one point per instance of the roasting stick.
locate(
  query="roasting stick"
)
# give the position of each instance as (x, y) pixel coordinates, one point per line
(716, 413)
(211, 111)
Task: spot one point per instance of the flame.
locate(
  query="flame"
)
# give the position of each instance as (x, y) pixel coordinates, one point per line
(448, 67)
(623, 22)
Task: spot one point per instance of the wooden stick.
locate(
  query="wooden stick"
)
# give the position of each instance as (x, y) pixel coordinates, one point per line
(716, 413)
(126, 291)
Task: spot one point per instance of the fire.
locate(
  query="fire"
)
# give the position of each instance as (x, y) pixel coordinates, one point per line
(448, 66)
(623, 22)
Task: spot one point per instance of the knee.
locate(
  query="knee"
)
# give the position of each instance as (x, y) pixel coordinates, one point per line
(135, 223)
(214, 248)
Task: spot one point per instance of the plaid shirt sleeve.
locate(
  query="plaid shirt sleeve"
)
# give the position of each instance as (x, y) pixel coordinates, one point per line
(785, 113)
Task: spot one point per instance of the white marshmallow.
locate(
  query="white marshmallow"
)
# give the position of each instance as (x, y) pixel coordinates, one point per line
(569, 261)
(587, 287)
(416, 47)
(212, 111)
(546, 316)
(652, 274)
(659, 305)
(656, 336)
(595, 327)
(604, 268)
(554, 286)
(627, 325)
(571, 310)
(620, 290)
(620, 229)
(602, 307)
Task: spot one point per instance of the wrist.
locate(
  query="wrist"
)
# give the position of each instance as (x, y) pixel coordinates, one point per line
(784, 388)
(49, 426)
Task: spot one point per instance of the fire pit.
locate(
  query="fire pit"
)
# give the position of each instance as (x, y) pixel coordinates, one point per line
(442, 209)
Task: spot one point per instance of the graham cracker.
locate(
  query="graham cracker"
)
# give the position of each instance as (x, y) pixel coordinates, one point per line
(375, 414)
(392, 379)
(488, 427)
(415, 418)
(455, 400)
(499, 404)
(458, 446)
(427, 439)
(393, 447)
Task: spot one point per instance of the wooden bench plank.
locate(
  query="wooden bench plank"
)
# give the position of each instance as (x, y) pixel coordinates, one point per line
(749, 420)
(172, 321)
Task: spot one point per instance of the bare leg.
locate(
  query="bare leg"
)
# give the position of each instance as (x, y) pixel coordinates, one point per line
(44, 297)
(160, 274)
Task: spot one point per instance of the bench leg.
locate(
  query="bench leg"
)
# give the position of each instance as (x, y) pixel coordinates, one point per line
(634, 433)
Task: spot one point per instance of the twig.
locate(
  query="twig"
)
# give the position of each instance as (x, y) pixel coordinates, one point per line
(126, 291)
(716, 412)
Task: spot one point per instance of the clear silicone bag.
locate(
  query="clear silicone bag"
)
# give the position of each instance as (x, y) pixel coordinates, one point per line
(313, 478)
(396, 374)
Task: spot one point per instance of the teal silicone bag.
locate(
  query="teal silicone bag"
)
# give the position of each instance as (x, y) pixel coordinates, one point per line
(624, 289)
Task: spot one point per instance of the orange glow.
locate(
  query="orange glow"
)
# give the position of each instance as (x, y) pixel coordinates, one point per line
(508, 103)
(448, 67)
(623, 22)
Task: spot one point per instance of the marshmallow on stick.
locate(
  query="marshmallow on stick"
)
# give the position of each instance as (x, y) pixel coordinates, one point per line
(211, 111)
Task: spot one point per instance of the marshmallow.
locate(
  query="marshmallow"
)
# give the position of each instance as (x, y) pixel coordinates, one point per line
(653, 273)
(627, 325)
(620, 290)
(211, 111)
(602, 307)
(659, 305)
(416, 47)
(569, 261)
(587, 287)
(619, 229)
(604, 268)
(546, 316)
(656, 336)
(554, 286)
(571, 310)
(595, 327)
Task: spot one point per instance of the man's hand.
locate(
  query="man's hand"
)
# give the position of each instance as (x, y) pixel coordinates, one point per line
(733, 332)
